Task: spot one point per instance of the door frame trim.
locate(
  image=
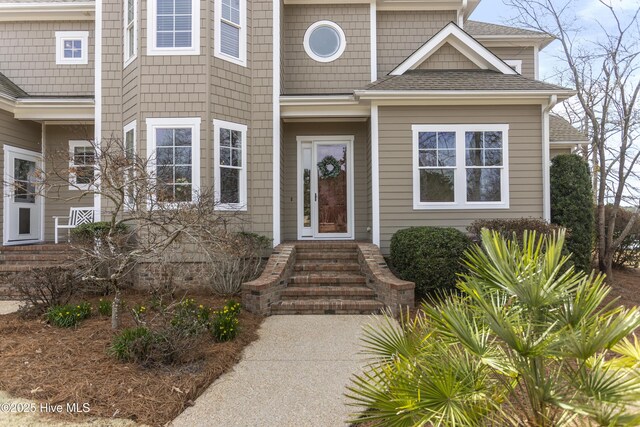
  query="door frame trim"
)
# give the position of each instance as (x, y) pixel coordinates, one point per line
(350, 141)
(5, 211)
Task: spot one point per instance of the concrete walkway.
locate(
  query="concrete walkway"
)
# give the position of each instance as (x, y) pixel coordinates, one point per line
(294, 375)
(7, 307)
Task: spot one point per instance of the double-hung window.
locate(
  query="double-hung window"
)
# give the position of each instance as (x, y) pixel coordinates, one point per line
(173, 27)
(82, 163)
(129, 147)
(130, 30)
(230, 160)
(72, 47)
(174, 149)
(230, 30)
(460, 167)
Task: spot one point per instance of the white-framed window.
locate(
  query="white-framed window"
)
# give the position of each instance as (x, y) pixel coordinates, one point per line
(173, 27)
(230, 30)
(72, 47)
(516, 64)
(82, 165)
(460, 166)
(129, 146)
(130, 35)
(173, 147)
(230, 165)
(324, 41)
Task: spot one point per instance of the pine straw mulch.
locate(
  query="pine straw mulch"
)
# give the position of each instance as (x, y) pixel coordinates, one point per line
(54, 365)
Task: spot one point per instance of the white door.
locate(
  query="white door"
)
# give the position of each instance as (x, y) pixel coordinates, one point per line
(325, 188)
(22, 204)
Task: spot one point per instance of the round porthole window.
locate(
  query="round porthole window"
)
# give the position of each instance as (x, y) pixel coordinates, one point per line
(324, 41)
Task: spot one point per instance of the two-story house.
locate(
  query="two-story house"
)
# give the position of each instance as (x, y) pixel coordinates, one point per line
(317, 119)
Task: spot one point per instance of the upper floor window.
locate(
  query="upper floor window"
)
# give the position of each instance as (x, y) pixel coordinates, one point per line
(72, 47)
(130, 157)
(82, 164)
(130, 30)
(230, 30)
(174, 149)
(173, 27)
(460, 167)
(324, 41)
(230, 160)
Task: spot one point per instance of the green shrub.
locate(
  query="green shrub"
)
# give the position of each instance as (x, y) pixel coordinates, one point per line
(628, 253)
(132, 344)
(104, 307)
(508, 227)
(224, 325)
(96, 230)
(572, 206)
(191, 317)
(67, 316)
(428, 256)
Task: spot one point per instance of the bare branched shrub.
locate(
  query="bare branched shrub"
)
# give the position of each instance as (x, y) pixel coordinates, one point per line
(42, 288)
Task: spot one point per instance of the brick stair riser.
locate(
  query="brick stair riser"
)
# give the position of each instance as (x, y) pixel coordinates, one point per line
(37, 248)
(319, 293)
(319, 306)
(327, 256)
(326, 246)
(325, 267)
(18, 268)
(21, 258)
(320, 280)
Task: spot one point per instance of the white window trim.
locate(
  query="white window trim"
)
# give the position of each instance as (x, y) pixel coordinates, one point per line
(460, 188)
(194, 124)
(61, 36)
(217, 50)
(125, 35)
(153, 50)
(242, 205)
(72, 176)
(307, 36)
(132, 126)
(516, 64)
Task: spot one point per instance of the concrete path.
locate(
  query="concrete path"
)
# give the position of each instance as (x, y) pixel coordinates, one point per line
(294, 375)
(7, 307)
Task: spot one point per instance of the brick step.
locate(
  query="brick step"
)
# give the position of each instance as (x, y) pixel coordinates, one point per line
(22, 257)
(327, 306)
(328, 278)
(327, 256)
(326, 266)
(337, 249)
(324, 292)
(18, 268)
(321, 246)
(38, 248)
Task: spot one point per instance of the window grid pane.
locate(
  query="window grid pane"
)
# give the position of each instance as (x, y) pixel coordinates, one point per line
(174, 164)
(72, 48)
(173, 24)
(230, 164)
(483, 161)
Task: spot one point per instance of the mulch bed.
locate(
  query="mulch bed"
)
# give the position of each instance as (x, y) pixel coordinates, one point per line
(625, 285)
(59, 366)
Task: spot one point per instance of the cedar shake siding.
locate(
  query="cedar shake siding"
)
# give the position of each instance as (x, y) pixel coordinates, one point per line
(304, 75)
(21, 134)
(447, 58)
(396, 169)
(361, 176)
(401, 33)
(28, 58)
(59, 201)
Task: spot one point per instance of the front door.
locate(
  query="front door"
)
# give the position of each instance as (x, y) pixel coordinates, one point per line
(22, 204)
(325, 187)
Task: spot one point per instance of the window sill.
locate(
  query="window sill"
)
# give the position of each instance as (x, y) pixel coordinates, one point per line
(460, 207)
(236, 207)
(195, 51)
(238, 61)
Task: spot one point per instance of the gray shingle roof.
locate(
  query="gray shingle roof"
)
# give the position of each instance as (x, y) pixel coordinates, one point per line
(463, 80)
(560, 130)
(9, 88)
(477, 28)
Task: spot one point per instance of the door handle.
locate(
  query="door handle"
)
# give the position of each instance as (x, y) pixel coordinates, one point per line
(315, 197)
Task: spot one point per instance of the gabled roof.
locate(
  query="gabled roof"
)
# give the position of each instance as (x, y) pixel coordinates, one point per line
(478, 28)
(460, 80)
(461, 41)
(560, 130)
(10, 89)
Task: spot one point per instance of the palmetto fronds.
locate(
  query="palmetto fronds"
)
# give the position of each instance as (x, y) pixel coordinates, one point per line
(528, 342)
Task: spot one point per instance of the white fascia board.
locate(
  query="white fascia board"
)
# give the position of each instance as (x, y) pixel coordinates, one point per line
(514, 41)
(460, 40)
(317, 100)
(457, 96)
(567, 143)
(54, 109)
(53, 11)
(7, 103)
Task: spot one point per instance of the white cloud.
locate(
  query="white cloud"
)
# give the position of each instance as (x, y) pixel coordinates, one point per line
(596, 11)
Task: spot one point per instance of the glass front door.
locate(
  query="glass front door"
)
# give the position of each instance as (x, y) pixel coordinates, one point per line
(326, 182)
(22, 203)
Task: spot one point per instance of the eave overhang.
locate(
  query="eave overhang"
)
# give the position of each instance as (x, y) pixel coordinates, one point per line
(327, 106)
(452, 97)
(47, 11)
(40, 109)
(516, 41)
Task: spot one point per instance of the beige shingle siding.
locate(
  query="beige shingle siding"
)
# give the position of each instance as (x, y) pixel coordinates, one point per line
(525, 54)
(57, 158)
(396, 179)
(28, 58)
(447, 58)
(360, 172)
(303, 75)
(557, 151)
(16, 133)
(401, 33)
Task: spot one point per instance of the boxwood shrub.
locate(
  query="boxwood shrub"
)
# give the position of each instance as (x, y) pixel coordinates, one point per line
(428, 256)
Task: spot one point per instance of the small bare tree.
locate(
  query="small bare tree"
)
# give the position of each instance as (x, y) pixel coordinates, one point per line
(606, 74)
(146, 211)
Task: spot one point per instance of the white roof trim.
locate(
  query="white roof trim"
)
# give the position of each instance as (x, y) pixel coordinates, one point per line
(47, 11)
(463, 42)
(569, 143)
(39, 109)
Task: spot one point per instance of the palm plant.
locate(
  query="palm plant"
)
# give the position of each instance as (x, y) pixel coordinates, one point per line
(528, 342)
